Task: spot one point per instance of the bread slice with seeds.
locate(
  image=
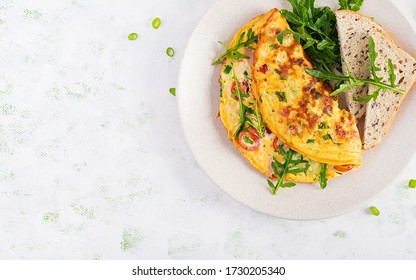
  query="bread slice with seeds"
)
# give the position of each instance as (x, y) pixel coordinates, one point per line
(353, 30)
(380, 113)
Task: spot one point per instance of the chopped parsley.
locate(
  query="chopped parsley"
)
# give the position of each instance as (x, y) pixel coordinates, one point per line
(227, 69)
(327, 137)
(282, 96)
(310, 141)
(323, 125)
(274, 47)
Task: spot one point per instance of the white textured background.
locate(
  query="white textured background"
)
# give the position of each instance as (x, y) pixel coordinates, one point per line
(92, 160)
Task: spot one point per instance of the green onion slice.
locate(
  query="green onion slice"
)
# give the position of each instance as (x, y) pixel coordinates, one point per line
(156, 23)
(172, 91)
(374, 211)
(170, 52)
(133, 36)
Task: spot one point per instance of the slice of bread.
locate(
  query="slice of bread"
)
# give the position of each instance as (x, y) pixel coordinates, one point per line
(353, 29)
(380, 113)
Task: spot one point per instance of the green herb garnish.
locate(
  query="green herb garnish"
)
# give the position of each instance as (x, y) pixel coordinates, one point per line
(281, 96)
(245, 40)
(246, 112)
(156, 23)
(315, 28)
(323, 180)
(412, 184)
(310, 141)
(392, 75)
(353, 5)
(248, 140)
(289, 166)
(355, 82)
(327, 137)
(227, 69)
(374, 211)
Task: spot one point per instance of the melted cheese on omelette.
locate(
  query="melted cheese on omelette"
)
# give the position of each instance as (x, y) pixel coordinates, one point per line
(259, 147)
(297, 107)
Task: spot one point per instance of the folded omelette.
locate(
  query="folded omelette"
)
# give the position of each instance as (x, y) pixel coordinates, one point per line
(247, 107)
(296, 107)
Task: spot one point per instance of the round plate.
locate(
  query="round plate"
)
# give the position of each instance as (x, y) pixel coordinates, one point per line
(198, 102)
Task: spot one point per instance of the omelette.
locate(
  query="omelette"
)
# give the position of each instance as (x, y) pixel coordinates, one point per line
(243, 119)
(297, 107)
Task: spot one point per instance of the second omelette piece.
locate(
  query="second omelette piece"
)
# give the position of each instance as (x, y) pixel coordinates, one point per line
(296, 107)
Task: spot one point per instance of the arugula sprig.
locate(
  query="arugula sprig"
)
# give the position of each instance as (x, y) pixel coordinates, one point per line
(289, 166)
(353, 5)
(245, 40)
(323, 178)
(352, 82)
(248, 115)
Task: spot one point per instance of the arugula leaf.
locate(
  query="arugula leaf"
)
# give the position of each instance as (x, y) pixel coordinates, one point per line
(233, 52)
(369, 97)
(315, 28)
(289, 166)
(390, 71)
(355, 82)
(353, 5)
(248, 116)
(243, 108)
(323, 180)
(255, 120)
(372, 54)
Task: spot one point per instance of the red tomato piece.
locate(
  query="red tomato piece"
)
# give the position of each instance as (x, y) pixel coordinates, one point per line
(275, 144)
(249, 141)
(244, 88)
(344, 168)
(264, 68)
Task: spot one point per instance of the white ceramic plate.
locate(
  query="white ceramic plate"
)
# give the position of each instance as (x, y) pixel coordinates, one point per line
(198, 102)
